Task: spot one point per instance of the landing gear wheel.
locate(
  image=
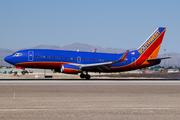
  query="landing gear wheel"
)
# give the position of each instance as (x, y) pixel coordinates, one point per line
(23, 72)
(88, 77)
(82, 75)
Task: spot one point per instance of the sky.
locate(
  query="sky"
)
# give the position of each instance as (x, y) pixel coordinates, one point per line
(107, 23)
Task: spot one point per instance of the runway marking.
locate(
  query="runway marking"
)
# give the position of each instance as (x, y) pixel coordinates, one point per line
(53, 83)
(66, 109)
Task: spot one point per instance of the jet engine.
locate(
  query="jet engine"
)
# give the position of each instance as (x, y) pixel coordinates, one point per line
(70, 69)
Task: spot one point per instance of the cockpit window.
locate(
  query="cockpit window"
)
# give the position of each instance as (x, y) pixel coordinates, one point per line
(17, 54)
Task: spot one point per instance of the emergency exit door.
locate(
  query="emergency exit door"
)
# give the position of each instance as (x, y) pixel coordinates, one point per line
(30, 55)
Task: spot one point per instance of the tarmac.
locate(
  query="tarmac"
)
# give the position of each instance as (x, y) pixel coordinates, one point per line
(95, 99)
(42, 74)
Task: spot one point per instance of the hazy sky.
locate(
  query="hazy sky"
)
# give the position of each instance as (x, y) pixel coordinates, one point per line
(107, 23)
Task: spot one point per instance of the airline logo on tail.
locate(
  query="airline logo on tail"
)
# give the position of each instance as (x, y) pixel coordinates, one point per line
(149, 42)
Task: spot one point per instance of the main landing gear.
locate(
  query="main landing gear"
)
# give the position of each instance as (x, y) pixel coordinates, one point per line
(87, 76)
(24, 72)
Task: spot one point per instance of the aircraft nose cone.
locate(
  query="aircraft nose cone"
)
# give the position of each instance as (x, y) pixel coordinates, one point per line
(8, 59)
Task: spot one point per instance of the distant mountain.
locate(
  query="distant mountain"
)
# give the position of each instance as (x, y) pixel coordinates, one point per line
(81, 47)
(46, 47)
(174, 61)
(90, 48)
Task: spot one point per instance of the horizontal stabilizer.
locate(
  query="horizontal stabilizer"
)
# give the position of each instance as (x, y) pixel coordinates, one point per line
(158, 59)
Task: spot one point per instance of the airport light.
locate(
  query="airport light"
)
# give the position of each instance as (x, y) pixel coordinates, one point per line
(164, 56)
(168, 62)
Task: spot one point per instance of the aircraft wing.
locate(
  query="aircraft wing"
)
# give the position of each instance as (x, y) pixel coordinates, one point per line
(104, 65)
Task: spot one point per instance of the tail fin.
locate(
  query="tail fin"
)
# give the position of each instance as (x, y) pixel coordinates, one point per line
(94, 50)
(150, 48)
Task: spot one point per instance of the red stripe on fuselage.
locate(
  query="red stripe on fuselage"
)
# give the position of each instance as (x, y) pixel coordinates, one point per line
(43, 65)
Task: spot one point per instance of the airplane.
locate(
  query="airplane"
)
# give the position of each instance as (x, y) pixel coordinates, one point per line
(94, 51)
(74, 62)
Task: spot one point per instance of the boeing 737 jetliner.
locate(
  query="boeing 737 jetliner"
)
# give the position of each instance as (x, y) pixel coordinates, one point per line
(74, 62)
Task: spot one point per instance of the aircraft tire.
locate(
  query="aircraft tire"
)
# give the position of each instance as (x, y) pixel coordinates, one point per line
(23, 72)
(82, 75)
(88, 77)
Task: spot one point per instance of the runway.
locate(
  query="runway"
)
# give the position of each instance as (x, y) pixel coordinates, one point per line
(87, 82)
(89, 100)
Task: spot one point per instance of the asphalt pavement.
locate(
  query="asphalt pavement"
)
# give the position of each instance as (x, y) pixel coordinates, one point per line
(106, 100)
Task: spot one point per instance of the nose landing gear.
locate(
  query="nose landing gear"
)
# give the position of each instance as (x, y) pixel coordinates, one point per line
(87, 76)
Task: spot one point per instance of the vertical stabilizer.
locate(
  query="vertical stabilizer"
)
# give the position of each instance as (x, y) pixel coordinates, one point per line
(150, 48)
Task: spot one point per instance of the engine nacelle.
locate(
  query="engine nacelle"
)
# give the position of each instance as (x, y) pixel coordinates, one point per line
(70, 69)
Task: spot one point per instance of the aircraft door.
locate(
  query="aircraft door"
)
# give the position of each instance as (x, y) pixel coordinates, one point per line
(30, 55)
(78, 59)
(133, 60)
